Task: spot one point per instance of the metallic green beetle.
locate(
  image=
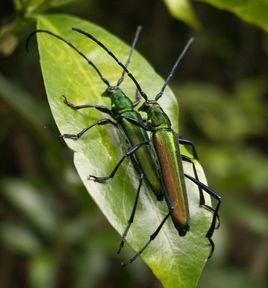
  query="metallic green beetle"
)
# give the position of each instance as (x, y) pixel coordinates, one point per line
(136, 138)
(166, 146)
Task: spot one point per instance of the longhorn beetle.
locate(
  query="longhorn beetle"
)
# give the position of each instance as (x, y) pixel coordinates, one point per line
(166, 146)
(121, 106)
(136, 137)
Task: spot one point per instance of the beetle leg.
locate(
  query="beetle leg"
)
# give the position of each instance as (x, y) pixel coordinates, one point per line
(213, 224)
(78, 107)
(194, 153)
(137, 98)
(136, 122)
(189, 143)
(185, 158)
(131, 219)
(152, 237)
(82, 132)
(212, 228)
(129, 153)
(201, 194)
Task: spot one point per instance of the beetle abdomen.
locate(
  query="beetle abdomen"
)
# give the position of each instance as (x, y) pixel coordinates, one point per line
(173, 177)
(145, 155)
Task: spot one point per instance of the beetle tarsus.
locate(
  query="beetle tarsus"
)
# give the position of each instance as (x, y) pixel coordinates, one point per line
(98, 179)
(212, 210)
(70, 136)
(152, 237)
(69, 104)
(212, 246)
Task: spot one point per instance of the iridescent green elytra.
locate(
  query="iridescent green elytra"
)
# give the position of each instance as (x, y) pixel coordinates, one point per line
(168, 155)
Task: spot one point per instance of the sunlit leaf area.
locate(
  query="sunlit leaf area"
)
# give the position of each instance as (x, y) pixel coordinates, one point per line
(57, 229)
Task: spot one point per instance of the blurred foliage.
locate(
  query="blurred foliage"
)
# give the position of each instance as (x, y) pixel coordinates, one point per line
(20, 19)
(183, 10)
(251, 10)
(225, 78)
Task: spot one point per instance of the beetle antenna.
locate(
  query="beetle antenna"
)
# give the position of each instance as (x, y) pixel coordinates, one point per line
(70, 45)
(115, 58)
(171, 74)
(136, 37)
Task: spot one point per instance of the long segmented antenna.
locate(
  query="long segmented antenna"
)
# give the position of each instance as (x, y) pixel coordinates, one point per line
(187, 46)
(136, 37)
(115, 58)
(70, 45)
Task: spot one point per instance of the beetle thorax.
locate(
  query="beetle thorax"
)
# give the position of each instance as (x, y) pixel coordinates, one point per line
(156, 117)
(120, 102)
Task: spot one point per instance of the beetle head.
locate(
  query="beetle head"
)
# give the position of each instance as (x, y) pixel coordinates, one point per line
(148, 105)
(109, 92)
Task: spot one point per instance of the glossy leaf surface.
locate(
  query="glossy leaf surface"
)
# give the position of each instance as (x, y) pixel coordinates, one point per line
(176, 261)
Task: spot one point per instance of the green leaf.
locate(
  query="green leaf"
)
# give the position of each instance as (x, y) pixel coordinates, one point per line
(35, 3)
(43, 270)
(183, 10)
(249, 10)
(19, 239)
(56, 3)
(30, 203)
(18, 4)
(32, 6)
(176, 261)
(89, 259)
(257, 222)
(23, 104)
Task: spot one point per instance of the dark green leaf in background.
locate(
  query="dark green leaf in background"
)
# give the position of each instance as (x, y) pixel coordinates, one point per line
(253, 11)
(30, 203)
(19, 238)
(183, 10)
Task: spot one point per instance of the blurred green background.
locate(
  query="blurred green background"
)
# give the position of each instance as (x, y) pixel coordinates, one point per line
(51, 232)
